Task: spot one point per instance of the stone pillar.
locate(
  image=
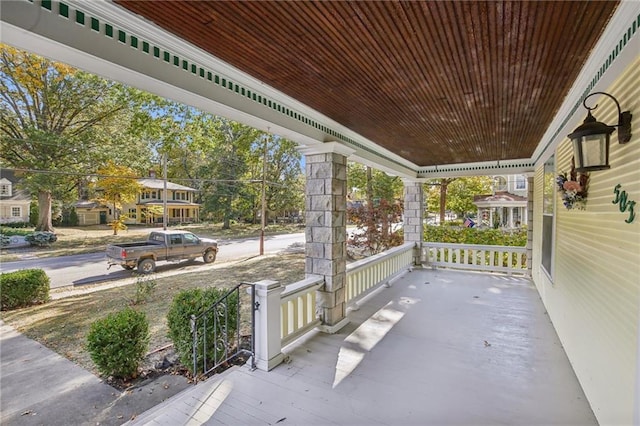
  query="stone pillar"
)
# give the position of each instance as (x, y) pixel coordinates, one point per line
(326, 229)
(414, 216)
(268, 325)
(529, 216)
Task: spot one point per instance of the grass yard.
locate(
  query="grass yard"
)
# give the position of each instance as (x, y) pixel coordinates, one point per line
(62, 325)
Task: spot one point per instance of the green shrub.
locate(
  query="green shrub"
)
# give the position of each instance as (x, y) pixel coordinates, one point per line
(23, 288)
(194, 302)
(17, 225)
(145, 285)
(34, 213)
(493, 237)
(10, 230)
(41, 239)
(117, 344)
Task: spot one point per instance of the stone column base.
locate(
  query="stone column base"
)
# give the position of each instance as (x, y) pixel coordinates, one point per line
(332, 329)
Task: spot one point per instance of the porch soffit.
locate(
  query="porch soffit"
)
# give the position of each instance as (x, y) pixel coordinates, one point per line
(437, 83)
(502, 68)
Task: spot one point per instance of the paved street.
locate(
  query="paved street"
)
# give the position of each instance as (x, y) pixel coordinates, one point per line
(90, 268)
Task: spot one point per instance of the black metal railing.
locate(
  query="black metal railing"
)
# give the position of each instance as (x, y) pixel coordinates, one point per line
(225, 331)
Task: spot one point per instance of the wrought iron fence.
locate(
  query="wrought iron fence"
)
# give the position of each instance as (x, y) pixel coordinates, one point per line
(225, 331)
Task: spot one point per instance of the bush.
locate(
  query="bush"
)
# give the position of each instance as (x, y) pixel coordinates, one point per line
(145, 285)
(34, 213)
(117, 344)
(16, 225)
(41, 239)
(495, 237)
(194, 302)
(23, 288)
(9, 230)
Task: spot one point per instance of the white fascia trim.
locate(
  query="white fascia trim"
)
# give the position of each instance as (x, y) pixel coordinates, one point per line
(624, 16)
(326, 148)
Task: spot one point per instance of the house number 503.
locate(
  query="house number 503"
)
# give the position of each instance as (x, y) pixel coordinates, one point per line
(624, 203)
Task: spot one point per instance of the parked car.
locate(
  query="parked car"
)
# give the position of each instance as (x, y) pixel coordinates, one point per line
(161, 245)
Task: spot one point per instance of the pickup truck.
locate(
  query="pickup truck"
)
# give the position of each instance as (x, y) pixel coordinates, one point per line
(161, 245)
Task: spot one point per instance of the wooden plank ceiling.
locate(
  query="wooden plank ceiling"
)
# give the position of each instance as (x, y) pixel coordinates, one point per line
(437, 82)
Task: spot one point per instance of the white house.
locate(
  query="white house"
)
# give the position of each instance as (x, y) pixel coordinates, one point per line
(148, 206)
(14, 201)
(507, 205)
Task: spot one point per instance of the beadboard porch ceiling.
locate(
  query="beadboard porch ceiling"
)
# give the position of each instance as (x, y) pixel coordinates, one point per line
(436, 82)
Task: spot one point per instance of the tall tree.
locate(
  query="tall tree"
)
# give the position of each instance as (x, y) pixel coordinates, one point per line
(456, 194)
(285, 186)
(53, 124)
(226, 168)
(116, 185)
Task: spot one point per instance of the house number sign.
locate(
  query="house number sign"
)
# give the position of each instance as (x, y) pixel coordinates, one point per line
(624, 204)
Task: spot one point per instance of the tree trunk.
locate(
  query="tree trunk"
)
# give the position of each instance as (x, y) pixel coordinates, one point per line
(44, 206)
(443, 198)
(371, 223)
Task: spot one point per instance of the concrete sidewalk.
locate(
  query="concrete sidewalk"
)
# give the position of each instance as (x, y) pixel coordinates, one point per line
(40, 387)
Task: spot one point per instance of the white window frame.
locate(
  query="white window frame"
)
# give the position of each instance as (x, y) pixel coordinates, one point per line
(6, 190)
(19, 210)
(548, 217)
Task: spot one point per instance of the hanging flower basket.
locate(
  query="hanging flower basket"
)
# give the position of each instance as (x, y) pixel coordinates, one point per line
(573, 188)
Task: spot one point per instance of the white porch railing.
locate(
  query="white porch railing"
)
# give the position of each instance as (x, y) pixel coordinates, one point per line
(368, 273)
(298, 300)
(298, 308)
(510, 260)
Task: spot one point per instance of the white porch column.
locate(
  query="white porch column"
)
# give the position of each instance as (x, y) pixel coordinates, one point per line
(414, 216)
(529, 221)
(510, 217)
(326, 229)
(268, 344)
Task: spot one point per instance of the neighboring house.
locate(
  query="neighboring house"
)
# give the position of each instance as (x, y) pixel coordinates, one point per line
(147, 207)
(91, 212)
(14, 202)
(507, 206)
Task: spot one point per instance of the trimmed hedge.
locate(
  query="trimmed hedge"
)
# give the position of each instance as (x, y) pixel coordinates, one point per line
(493, 237)
(194, 302)
(23, 288)
(117, 343)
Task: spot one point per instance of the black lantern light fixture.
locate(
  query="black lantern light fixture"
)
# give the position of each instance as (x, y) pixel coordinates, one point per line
(591, 139)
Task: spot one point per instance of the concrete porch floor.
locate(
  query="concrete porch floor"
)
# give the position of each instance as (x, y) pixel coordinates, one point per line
(438, 347)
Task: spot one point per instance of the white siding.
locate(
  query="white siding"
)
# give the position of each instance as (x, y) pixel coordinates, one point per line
(594, 300)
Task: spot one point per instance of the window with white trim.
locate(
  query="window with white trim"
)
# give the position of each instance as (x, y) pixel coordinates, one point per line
(5, 189)
(548, 211)
(521, 182)
(16, 211)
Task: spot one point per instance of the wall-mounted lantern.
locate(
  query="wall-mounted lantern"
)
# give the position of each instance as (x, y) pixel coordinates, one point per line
(591, 139)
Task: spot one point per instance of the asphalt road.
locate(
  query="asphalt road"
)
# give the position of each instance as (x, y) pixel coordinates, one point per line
(91, 268)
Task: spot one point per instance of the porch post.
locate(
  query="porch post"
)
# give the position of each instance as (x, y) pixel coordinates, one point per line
(414, 216)
(268, 344)
(326, 229)
(529, 216)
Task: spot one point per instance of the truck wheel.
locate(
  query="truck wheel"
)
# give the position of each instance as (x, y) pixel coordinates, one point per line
(146, 266)
(209, 256)
(127, 267)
